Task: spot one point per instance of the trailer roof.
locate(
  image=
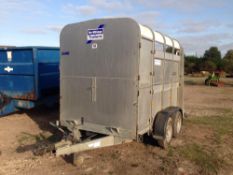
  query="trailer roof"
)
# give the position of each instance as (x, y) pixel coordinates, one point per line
(146, 32)
(159, 37)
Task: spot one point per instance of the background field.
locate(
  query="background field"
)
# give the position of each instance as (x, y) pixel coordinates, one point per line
(204, 146)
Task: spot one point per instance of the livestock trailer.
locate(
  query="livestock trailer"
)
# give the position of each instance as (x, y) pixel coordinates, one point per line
(119, 79)
(28, 76)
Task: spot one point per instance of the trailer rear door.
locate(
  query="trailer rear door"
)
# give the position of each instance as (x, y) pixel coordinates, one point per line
(99, 77)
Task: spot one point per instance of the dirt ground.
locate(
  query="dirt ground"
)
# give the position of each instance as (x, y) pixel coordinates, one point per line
(205, 145)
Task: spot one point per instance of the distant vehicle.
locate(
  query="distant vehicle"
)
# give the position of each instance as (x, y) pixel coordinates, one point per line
(119, 81)
(214, 79)
(28, 76)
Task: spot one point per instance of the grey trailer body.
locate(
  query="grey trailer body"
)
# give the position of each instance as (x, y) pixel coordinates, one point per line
(116, 75)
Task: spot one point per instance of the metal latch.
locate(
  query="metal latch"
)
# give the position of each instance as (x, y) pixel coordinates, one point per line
(93, 89)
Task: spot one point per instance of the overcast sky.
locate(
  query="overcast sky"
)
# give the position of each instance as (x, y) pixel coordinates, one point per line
(197, 24)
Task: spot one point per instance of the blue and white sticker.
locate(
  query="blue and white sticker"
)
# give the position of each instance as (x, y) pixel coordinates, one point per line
(95, 34)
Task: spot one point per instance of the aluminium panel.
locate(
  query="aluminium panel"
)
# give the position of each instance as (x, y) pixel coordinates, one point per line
(99, 77)
(145, 85)
(157, 99)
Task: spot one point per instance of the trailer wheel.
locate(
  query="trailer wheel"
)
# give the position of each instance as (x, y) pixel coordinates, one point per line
(177, 123)
(163, 129)
(168, 134)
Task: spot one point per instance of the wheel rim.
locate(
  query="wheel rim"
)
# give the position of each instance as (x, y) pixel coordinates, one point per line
(169, 131)
(178, 123)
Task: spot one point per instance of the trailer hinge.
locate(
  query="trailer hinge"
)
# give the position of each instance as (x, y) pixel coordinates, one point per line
(138, 93)
(138, 77)
(140, 45)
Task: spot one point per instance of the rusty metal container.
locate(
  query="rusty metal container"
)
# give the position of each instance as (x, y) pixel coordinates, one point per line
(28, 76)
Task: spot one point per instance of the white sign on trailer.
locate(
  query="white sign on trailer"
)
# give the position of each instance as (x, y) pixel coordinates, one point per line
(95, 34)
(157, 62)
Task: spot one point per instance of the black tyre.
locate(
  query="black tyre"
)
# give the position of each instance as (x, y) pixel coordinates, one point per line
(163, 129)
(168, 134)
(177, 121)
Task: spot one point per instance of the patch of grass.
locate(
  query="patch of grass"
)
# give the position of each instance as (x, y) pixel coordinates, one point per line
(190, 82)
(110, 172)
(208, 161)
(33, 158)
(228, 111)
(194, 80)
(168, 165)
(221, 125)
(25, 138)
(170, 151)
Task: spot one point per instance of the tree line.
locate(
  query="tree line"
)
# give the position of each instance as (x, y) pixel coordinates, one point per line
(212, 60)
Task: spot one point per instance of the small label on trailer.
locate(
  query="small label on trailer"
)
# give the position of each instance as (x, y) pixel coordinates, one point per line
(94, 145)
(95, 34)
(94, 46)
(157, 62)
